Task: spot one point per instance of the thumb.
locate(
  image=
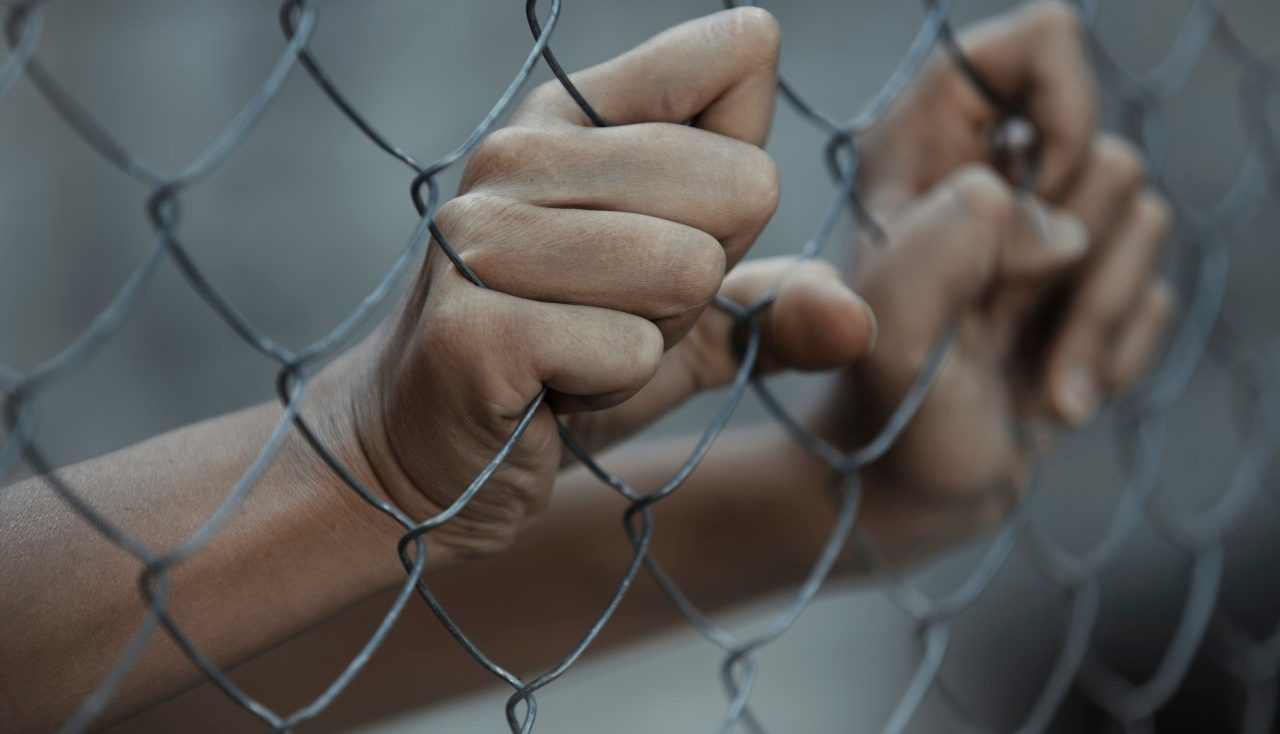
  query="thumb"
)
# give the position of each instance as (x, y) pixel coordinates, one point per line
(1036, 55)
(814, 323)
(719, 71)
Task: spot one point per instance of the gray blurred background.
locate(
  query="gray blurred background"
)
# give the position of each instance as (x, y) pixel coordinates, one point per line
(306, 216)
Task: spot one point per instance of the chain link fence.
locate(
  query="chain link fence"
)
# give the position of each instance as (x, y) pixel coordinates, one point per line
(1208, 331)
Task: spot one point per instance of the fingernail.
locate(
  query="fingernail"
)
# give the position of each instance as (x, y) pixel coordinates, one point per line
(1078, 396)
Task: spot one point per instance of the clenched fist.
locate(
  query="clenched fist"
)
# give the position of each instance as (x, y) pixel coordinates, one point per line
(1052, 294)
(601, 249)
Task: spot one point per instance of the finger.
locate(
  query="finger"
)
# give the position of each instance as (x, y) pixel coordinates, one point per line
(949, 250)
(721, 186)
(1034, 56)
(719, 71)
(1138, 338)
(1112, 178)
(1029, 274)
(653, 268)
(815, 323)
(1110, 288)
(590, 358)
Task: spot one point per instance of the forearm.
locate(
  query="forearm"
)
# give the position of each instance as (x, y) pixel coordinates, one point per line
(750, 521)
(747, 523)
(750, 518)
(296, 550)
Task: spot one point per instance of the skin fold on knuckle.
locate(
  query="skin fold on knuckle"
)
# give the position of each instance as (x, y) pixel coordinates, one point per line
(551, 96)
(984, 194)
(983, 209)
(753, 188)
(640, 354)
(1102, 309)
(693, 271)
(1122, 164)
(755, 33)
(507, 154)
(467, 327)
(466, 219)
(1052, 20)
(1137, 345)
(1118, 289)
(628, 354)
(1157, 218)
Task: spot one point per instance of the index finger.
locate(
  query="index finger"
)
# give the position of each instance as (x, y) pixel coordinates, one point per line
(1035, 58)
(718, 71)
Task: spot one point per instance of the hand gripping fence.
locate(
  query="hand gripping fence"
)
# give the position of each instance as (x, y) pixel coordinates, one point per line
(1206, 331)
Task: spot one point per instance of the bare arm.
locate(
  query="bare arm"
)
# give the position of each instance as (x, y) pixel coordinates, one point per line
(294, 552)
(741, 528)
(302, 548)
(659, 208)
(750, 519)
(431, 401)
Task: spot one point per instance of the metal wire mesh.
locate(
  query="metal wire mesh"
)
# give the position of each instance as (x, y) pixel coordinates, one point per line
(1205, 331)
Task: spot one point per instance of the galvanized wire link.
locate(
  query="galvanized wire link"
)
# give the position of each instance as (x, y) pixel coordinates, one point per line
(1204, 331)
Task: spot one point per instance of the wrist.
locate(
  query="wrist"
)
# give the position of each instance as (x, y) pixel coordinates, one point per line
(811, 506)
(333, 415)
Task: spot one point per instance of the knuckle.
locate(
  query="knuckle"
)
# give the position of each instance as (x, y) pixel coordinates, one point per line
(1054, 17)
(696, 271)
(988, 201)
(757, 185)
(551, 97)
(460, 327)
(643, 350)
(451, 217)
(636, 347)
(467, 221)
(503, 152)
(1105, 308)
(1162, 301)
(758, 32)
(1121, 162)
(987, 210)
(676, 98)
(458, 217)
(548, 93)
(1156, 216)
(449, 327)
